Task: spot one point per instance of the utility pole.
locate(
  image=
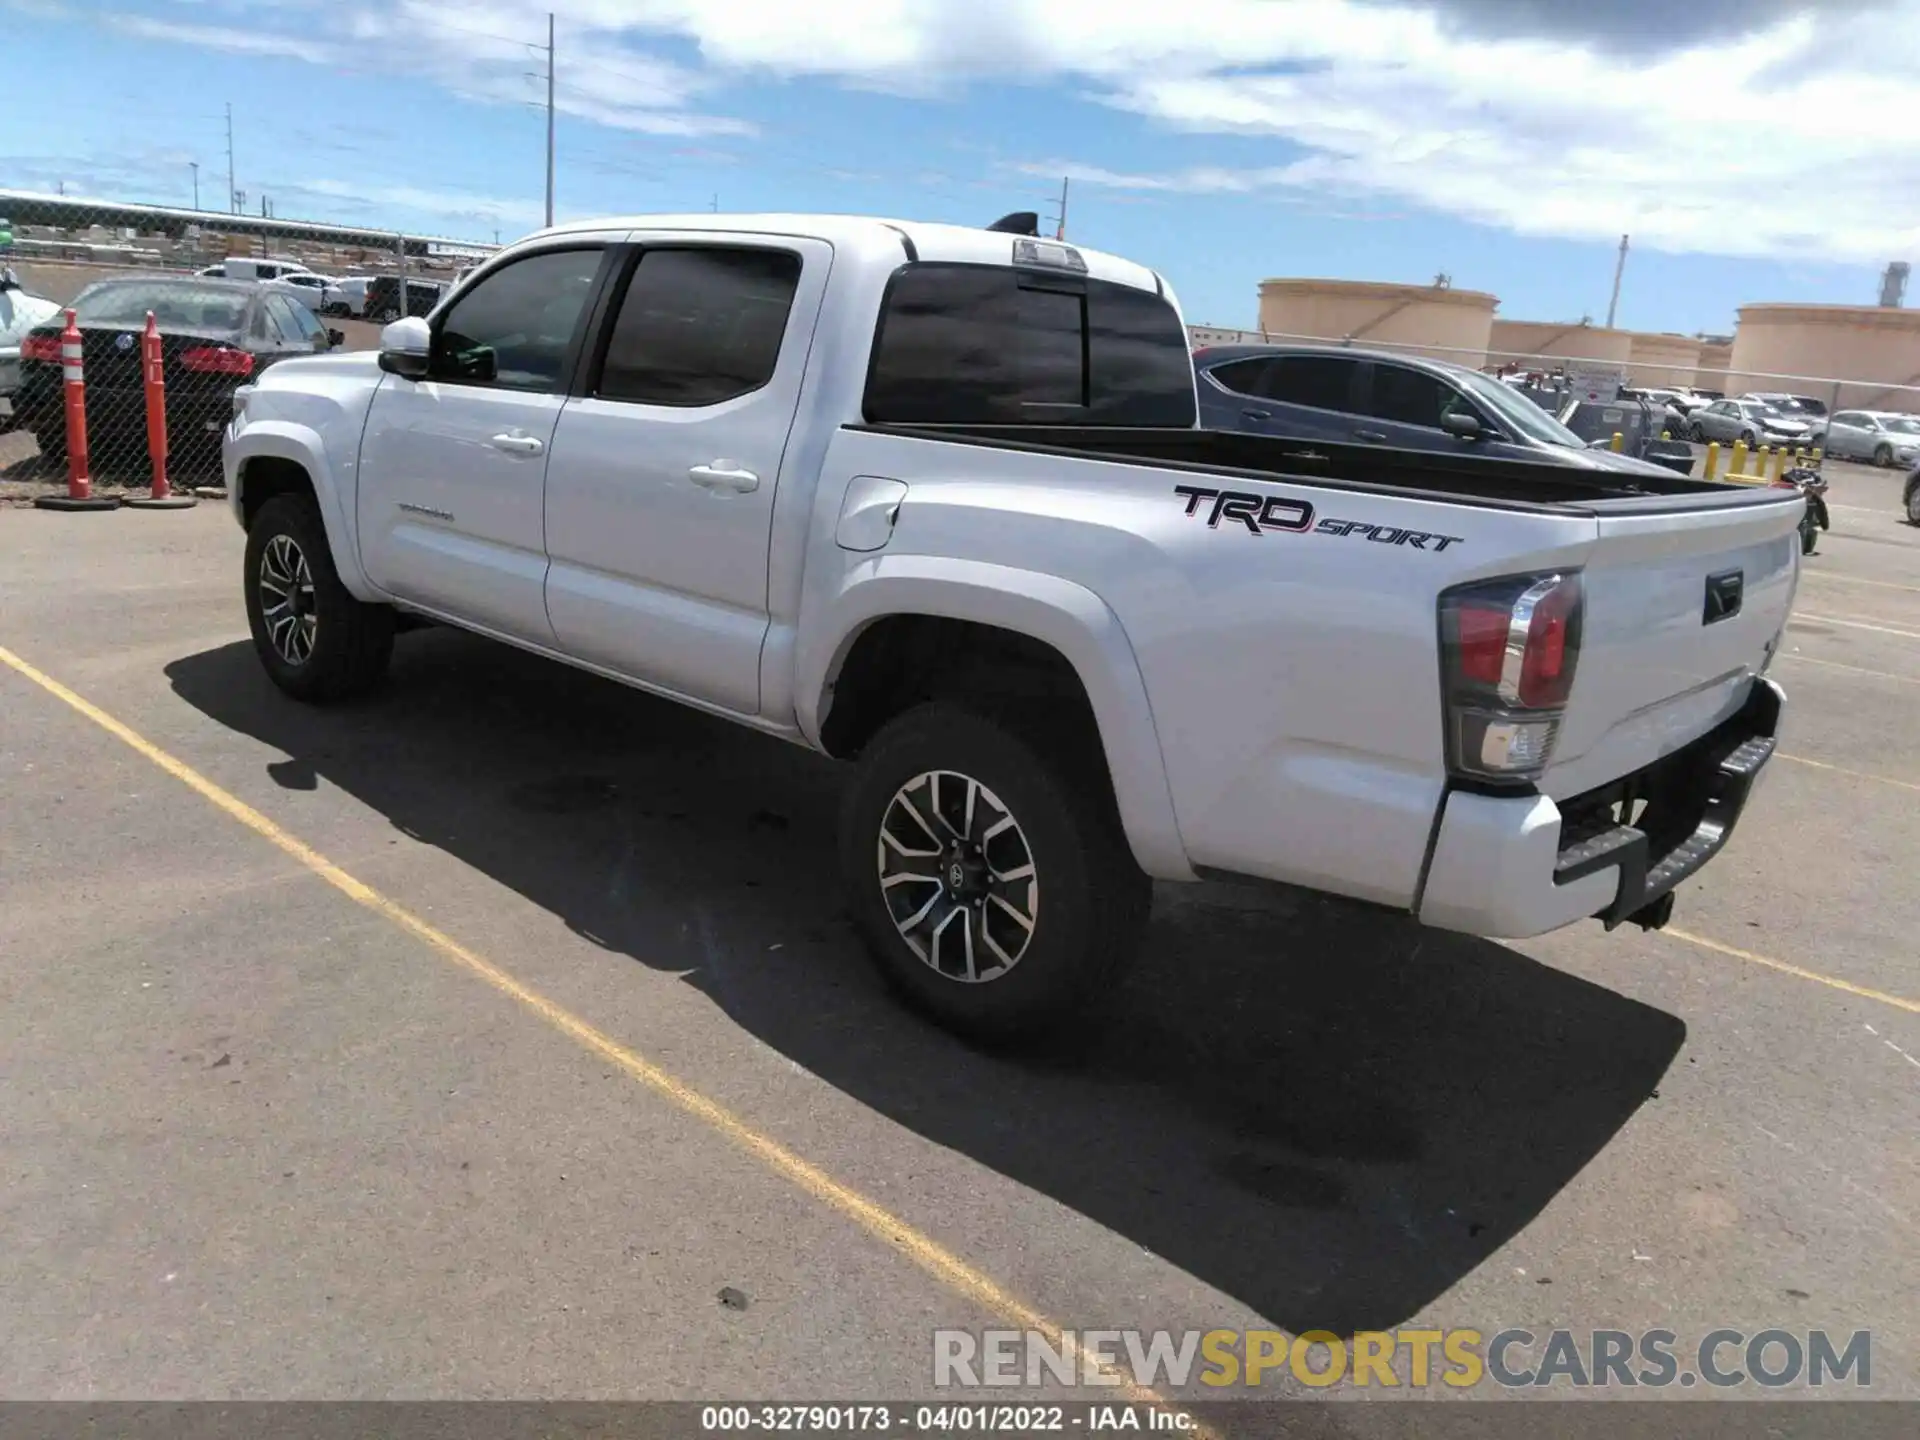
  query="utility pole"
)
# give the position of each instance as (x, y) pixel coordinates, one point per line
(1619, 269)
(1060, 230)
(194, 165)
(231, 192)
(549, 118)
(716, 202)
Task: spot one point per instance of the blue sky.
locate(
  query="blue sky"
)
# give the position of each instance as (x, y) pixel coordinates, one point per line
(1221, 141)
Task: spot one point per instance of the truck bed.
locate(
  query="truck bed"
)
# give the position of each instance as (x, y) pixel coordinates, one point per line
(1413, 473)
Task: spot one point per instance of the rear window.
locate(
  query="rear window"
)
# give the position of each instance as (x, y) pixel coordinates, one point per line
(991, 345)
(178, 303)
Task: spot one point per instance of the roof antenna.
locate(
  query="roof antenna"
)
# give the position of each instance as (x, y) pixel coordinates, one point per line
(1020, 222)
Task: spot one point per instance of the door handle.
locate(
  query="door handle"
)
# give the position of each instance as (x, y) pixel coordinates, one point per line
(1257, 414)
(518, 444)
(1377, 437)
(722, 476)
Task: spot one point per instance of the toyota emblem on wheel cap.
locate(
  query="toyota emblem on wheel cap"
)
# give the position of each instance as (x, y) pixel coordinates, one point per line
(125, 342)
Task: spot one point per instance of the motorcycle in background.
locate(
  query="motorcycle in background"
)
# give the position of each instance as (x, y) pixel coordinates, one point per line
(1812, 484)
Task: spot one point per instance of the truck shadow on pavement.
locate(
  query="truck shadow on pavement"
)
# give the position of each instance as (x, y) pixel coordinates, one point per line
(1324, 1112)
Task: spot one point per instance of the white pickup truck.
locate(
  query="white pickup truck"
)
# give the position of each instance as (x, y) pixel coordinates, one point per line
(932, 499)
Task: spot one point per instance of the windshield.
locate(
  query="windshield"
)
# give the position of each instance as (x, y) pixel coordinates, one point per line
(175, 303)
(1518, 411)
(1902, 425)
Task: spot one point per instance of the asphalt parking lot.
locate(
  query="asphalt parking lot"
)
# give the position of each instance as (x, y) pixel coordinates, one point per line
(501, 1036)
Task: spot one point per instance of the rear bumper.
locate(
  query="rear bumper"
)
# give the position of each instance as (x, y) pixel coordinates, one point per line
(1511, 867)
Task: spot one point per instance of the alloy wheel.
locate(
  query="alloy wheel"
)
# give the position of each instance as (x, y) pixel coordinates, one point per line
(287, 599)
(957, 875)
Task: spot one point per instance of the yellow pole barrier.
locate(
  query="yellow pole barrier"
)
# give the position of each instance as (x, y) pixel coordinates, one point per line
(1713, 459)
(1618, 439)
(1780, 462)
(1737, 464)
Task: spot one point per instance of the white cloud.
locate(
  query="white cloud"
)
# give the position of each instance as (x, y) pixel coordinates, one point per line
(447, 204)
(1777, 129)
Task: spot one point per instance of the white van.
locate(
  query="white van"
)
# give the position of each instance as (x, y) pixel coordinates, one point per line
(236, 268)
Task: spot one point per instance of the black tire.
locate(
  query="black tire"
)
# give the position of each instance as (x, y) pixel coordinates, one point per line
(1883, 456)
(1752, 439)
(1912, 498)
(1809, 534)
(350, 642)
(1696, 435)
(1096, 899)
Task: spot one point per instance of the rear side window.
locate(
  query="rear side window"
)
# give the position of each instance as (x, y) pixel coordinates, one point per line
(1243, 377)
(991, 345)
(699, 326)
(1323, 382)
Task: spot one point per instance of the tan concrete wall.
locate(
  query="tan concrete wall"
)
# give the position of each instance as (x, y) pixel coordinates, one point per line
(1655, 360)
(1711, 373)
(1868, 347)
(1545, 340)
(1418, 319)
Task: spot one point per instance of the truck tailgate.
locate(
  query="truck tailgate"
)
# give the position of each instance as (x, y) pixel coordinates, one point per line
(1683, 607)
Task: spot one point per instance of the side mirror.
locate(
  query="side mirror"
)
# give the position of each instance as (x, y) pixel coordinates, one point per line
(405, 348)
(1461, 424)
(335, 339)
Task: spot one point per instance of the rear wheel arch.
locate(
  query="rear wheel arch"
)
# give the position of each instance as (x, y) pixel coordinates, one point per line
(1027, 643)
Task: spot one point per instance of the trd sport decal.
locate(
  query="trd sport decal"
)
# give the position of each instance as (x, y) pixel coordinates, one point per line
(1261, 513)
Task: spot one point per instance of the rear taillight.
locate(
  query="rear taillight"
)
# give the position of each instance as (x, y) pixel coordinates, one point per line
(217, 360)
(41, 347)
(1508, 651)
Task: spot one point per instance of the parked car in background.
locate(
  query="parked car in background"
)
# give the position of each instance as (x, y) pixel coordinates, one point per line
(1754, 421)
(215, 335)
(1876, 436)
(19, 313)
(1800, 407)
(309, 289)
(236, 267)
(347, 295)
(1377, 397)
(1672, 406)
(383, 297)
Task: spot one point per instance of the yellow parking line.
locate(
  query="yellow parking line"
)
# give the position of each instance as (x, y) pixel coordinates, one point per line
(1862, 991)
(1857, 669)
(1843, 770)
(1855, 625)
(932, 1257)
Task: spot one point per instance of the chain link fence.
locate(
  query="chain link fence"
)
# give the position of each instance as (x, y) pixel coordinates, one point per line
(230, 295)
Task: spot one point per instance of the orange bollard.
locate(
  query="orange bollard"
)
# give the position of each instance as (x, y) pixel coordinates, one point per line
(79, 494)
(153, 371)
